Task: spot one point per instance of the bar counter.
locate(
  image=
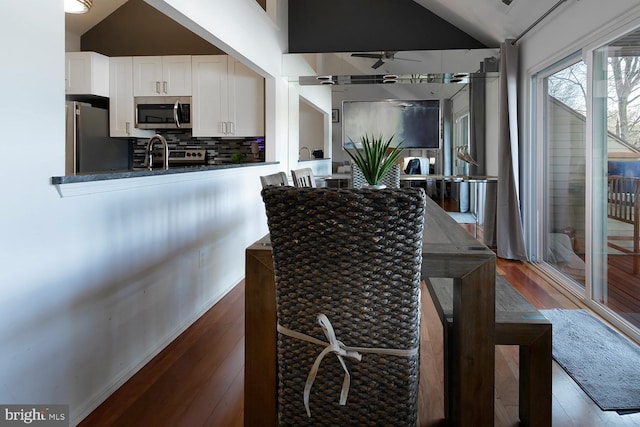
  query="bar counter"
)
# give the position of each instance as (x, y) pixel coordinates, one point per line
(142, 172)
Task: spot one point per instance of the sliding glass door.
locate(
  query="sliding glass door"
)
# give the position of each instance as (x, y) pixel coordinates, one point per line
(588, 124)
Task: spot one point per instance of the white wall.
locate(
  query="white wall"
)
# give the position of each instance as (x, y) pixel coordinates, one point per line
(72, 42)
(571, 27)
(97, 278)
(311, 128)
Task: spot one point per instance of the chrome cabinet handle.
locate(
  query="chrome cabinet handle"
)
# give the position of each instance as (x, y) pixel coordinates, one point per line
(157, 87)
(231, 128)
(164, 86)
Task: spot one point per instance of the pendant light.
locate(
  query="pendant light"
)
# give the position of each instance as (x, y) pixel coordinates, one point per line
(77, 6)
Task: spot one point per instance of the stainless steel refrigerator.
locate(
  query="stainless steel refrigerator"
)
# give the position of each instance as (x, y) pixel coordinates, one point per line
(89, 147)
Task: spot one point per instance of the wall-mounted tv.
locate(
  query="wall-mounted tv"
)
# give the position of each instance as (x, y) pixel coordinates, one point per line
(417, 123)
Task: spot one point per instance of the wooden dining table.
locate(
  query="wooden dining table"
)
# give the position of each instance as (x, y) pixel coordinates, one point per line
(448, 251)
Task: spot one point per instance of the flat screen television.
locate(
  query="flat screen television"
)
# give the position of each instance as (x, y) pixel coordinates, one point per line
(417, 123)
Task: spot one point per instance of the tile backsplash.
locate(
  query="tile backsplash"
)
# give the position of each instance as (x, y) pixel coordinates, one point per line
(220, 151)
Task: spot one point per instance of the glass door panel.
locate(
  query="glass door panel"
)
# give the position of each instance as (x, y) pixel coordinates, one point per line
(616, 161)
(564, 110)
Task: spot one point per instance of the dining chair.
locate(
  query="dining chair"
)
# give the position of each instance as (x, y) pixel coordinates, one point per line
(347, 272)
(275, 179)
(391, 179)
(303, 177)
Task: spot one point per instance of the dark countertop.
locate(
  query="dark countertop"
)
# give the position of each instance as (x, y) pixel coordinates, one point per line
(136, 173)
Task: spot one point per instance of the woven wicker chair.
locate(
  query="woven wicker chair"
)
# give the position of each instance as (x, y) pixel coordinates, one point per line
(277, 179)
(353, 256)
(391, 179)
(303, 177)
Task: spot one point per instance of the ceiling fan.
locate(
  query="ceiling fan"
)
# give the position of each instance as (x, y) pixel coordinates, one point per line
(382, 57)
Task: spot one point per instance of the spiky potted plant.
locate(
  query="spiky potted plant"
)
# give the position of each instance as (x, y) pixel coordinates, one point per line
(375, 158)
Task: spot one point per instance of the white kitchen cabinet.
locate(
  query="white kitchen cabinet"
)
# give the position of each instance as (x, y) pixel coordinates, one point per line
(246, 100)
(210, 110)
(162, 75)
(121, 106)
(228, 98)
(86, 73)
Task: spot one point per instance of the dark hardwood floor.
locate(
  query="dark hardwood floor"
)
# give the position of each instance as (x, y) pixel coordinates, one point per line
(623, 286)
(198, 379)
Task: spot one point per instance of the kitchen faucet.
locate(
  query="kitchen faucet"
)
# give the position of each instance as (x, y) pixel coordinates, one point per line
(304, 148)
(165, 148)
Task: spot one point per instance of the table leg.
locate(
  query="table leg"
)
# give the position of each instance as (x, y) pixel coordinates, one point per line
(471, 353)
(260, 384)
(536, 381)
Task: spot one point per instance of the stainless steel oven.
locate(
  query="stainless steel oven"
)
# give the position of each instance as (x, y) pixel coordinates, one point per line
(178, 157)
(163, 112)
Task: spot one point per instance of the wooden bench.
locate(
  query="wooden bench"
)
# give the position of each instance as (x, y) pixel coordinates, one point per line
(517, 323)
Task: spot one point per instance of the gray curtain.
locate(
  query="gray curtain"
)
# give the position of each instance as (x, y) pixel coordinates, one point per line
(477, 119)
(509, 234)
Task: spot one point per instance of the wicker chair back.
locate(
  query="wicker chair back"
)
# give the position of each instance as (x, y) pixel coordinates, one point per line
(353, 256)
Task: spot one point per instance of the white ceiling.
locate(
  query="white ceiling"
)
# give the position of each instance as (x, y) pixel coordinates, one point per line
(489, 21)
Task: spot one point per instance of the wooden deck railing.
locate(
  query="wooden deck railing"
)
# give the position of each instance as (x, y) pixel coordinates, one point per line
(623, 205)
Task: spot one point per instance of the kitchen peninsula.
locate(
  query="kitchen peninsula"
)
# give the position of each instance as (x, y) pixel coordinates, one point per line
(137, 173)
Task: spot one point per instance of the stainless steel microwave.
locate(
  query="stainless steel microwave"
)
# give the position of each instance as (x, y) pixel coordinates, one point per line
(163, 112)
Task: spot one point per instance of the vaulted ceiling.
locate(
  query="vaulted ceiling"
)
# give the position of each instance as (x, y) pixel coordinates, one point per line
(371, 25)
(491, 21)
(137, 29)
(488, 21)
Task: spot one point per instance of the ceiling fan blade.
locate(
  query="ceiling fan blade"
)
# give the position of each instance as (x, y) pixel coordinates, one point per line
(367, 55)
(378, 63)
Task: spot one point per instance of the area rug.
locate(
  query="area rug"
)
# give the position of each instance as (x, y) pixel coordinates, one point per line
(605, 364)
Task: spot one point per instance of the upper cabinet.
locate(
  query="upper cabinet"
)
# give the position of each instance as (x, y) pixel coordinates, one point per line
(86, 73)
(162, 75)
(121, 106)
(246, 100)
(228, 98)
(210, 95)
